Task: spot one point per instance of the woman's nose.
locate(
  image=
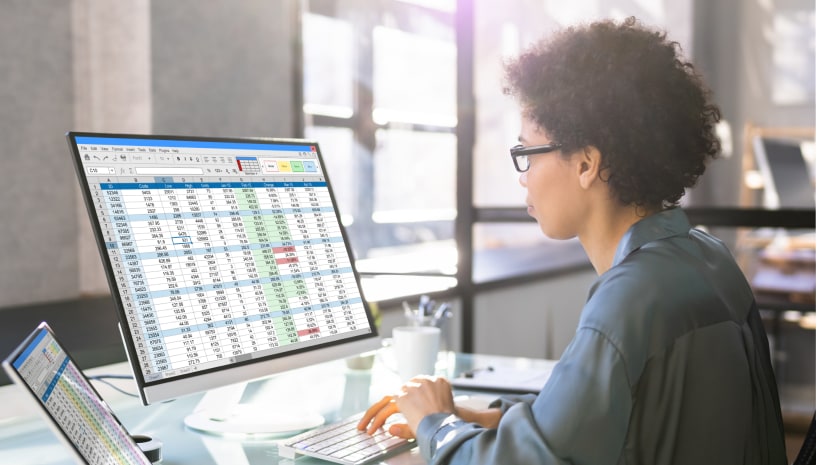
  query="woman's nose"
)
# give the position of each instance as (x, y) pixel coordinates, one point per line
(523, 179)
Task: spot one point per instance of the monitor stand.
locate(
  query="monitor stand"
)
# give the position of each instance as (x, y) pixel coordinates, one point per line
(219, 412)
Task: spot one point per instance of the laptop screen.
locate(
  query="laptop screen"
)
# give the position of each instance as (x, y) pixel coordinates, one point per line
(74, 408)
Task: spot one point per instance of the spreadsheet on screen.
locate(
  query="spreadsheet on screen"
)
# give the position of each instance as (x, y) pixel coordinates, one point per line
(222, 251)
(71, 404)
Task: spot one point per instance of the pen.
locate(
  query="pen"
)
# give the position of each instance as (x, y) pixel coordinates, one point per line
(440, 313)
(424, 301)
(471, 373)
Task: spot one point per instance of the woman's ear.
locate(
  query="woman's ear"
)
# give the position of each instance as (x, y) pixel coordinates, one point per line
(588, 166)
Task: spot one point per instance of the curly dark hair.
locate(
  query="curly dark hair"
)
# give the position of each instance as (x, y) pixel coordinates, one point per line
(626, 90)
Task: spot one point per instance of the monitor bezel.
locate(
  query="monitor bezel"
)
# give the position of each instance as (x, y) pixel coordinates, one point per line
(197, 381)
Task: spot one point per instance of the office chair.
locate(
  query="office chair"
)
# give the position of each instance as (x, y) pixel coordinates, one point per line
(806, 454)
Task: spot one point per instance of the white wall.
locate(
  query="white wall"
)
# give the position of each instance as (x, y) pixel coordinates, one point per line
(535, 319)
(182, 67)
(38, 228)
(531, 320)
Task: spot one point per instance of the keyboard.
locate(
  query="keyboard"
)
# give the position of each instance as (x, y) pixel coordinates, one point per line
(341, 442)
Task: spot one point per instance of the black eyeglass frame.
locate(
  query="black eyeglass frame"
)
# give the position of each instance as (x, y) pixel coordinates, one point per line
(519, 151)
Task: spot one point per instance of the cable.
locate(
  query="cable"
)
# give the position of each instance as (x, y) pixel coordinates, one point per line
(99, 377)
(104, 379)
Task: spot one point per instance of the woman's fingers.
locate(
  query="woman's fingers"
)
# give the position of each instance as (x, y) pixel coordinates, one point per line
(381, 417)
(401, 430)
(377, 414)
(372, 411)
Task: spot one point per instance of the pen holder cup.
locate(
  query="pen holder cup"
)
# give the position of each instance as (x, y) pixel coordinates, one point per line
(414, 318)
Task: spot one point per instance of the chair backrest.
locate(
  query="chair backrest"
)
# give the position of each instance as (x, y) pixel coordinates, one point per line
(806, 454)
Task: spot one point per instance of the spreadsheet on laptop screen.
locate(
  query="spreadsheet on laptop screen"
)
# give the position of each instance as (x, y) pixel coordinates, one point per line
(222, 251)
(73, 406)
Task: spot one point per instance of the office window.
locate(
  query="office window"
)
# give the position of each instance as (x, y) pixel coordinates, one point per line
(427, 158)
(414, 78)
(328, 71)
(793, 70)
(381, 100)
(337, 145)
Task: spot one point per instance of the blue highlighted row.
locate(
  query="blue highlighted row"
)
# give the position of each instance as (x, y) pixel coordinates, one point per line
(220, 214)
(133, 255)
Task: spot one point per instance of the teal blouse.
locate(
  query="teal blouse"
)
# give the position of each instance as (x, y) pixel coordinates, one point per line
(669, 365)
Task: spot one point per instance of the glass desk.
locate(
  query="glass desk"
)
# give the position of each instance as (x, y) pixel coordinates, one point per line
(331, 389)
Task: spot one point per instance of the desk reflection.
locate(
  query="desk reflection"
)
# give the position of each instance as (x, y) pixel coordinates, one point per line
(331, 389)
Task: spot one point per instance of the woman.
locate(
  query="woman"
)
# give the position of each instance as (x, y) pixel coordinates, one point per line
(670, 363)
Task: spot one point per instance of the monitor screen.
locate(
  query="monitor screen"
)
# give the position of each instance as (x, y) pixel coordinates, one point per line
(787, 182)
(72, 406)
(226, 257)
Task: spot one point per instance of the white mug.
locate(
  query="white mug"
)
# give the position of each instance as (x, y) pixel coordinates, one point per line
(415, 350)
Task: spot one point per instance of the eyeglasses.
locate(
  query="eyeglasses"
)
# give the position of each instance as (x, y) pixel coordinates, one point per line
(520, 154)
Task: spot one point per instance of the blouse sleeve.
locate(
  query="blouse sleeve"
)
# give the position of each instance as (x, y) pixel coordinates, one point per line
(580, 416)
(506, 402)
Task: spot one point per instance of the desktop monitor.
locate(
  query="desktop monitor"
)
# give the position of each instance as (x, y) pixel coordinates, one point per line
(787, 178)
(225, 257)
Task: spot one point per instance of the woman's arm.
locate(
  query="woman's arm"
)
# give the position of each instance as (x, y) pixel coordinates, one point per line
(487, 418)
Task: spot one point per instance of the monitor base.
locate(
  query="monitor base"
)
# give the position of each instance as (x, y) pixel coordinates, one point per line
(220, 413)
(252, 420)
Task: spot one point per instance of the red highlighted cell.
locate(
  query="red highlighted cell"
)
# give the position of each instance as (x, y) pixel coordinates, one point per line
(288, 248)
(308, 331)
(284, 261)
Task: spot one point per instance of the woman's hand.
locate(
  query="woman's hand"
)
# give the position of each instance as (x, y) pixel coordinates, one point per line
(419, 397)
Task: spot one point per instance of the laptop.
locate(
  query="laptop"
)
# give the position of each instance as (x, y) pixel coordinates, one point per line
(71, 406)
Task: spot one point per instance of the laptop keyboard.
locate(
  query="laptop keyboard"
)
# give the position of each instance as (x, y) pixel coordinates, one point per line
(341, 442)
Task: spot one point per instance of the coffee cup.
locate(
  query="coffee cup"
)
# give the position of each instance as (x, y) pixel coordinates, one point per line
(415, 350)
